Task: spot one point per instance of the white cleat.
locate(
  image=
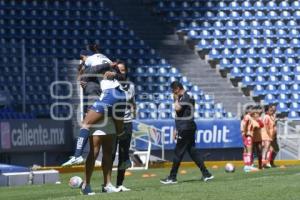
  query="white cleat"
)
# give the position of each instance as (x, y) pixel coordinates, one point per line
(122, 188)
(109, 188)
(207, 178)
(73, 161)
(250, 169)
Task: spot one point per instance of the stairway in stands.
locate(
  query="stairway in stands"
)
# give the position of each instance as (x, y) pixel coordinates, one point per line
(161, 36)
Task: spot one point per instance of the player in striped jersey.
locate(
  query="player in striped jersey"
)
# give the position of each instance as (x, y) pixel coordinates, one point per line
(124, 140)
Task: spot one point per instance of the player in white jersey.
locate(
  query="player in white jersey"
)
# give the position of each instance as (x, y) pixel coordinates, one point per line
(112, 101)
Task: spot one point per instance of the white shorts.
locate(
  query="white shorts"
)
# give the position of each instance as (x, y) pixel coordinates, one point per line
(105, 129)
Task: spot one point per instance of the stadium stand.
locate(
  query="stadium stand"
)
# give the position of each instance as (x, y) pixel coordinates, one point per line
(60, 29)
(255, 43)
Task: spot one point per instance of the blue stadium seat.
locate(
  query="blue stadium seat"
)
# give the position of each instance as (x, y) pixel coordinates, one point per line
(282, 107)
(283, 88)
(260, 80)
(271, 89)
(247, 81)
(286, 79)
(218, 115)
(295, 97)
(295, 88)
(293, 115)
(236, 73)
(295, 106)
(258, 91)
(283, 98)
(143, 115)
(270, 99)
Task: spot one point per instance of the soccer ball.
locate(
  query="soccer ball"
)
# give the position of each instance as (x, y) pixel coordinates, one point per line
(229, 167)
(75, 182)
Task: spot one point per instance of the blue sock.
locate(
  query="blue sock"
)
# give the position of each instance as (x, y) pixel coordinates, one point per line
(81, 141)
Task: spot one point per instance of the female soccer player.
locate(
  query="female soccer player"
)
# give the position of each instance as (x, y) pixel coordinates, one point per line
(257, 138)
(268, 134)
(112, 101)
(104, 138)
(124, 140)
(247, 126)
(274, 148)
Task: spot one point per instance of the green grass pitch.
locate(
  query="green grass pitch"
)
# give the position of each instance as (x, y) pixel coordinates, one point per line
(271, 184)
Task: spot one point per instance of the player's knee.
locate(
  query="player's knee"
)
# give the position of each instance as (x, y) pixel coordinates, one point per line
(248, 143)
(107, 159)
(176, 160)
(192, 151)
(96, 153)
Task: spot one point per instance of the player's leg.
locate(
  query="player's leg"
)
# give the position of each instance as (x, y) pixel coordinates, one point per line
(179, 151)
(124, 146)
(265, 153)
(95, 145)
(258, 151)
(247, 155)
(107, 158)
(91, 118)
(124, 161)
(247, 140)
(197, 157)
(274, 149)
(107, 163)
(96, 113)
(118, 109)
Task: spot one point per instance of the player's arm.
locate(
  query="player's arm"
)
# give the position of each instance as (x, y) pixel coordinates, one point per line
(267, 125)
(174, 134)
(247, 125)
(97, 69)
(133, 102)
(114, 73)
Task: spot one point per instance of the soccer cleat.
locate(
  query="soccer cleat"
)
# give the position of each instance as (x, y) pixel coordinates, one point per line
(247, 168)
(109, 188)
(254, 169)
(274, 166)
(168, 180)
(207, 178)
(73, 161)
(250, 168)
(122, 188)
(267, 166)
(125, 165)
(87, 190)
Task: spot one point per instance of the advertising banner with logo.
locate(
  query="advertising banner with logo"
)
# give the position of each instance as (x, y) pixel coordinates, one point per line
(35, 135)
(209, 134)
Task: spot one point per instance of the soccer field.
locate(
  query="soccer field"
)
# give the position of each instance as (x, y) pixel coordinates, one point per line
(281, 184)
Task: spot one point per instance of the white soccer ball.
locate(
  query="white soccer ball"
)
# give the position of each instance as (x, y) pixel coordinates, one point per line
(75, 182)
(229, 167)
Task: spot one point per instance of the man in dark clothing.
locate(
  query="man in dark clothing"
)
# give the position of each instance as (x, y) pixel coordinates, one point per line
(186, 128)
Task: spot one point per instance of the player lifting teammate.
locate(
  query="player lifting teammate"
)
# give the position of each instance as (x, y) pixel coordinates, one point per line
(111, 102)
